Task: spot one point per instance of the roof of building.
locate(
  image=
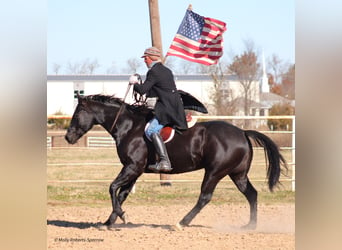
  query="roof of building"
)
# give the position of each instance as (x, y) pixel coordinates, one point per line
(202, 77)
(269, 99)
(240, 102)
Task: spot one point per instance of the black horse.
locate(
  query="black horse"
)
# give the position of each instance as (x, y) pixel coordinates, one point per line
(219, 147)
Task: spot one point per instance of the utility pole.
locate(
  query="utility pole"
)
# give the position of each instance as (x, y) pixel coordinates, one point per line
(155, 25)
(157, 42)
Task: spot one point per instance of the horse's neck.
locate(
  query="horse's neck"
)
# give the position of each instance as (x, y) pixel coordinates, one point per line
(118, 124)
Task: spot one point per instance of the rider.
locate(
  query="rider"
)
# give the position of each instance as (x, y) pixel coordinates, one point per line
(169, 108)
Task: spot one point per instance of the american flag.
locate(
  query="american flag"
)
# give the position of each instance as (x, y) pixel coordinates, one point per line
(198, 39)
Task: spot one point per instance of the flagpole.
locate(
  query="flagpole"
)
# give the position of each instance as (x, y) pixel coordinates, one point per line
(164, 59)
(155, 25)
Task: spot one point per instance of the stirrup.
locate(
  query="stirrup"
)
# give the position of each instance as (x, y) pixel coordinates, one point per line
(160, 167)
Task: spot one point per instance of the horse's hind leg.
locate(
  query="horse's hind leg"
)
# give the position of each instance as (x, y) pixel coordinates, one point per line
(243, 184)
(208, 185)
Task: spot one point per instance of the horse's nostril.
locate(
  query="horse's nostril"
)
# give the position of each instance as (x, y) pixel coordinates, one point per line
(66, 138)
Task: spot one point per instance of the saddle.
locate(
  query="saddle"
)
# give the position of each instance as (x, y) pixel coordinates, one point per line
(167, 133)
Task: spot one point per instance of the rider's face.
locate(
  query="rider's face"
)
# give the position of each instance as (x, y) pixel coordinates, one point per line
(147, 61)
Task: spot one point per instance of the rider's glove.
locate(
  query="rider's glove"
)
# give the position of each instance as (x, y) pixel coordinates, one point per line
(133, 79)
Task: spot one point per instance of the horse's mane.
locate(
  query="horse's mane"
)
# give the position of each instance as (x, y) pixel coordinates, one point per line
(112, 100)
(105, 99)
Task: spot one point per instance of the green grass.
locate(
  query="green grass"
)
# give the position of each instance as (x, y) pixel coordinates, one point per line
(105, 168)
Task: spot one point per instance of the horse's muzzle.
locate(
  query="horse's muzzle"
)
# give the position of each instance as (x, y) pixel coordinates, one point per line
(70, 138)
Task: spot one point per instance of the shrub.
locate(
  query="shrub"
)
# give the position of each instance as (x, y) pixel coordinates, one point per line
(58, 123)
(280, 124)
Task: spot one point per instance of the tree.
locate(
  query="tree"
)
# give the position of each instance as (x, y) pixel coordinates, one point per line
(186, 67)
(274, 88)
(133, 65)
(217, 74)
(247, 70)
(288, 83)
(280, 109)
(221, 93)
(112, 69)
(276, 67)
(169, 62)
(83, 68)
(56, 67)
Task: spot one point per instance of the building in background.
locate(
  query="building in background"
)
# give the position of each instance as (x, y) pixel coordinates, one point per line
(62, 91)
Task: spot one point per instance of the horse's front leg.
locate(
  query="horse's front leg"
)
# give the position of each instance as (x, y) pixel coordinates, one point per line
(124, 181)
(124, 191)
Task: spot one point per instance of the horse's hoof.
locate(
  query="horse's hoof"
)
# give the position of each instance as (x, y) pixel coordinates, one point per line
(102, 227)
(249, 226)
(124, 218)
(178, 227)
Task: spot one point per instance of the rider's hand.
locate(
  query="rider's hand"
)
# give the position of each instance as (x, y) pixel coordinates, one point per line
(133, 79)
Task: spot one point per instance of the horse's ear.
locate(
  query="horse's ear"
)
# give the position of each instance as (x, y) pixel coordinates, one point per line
(80, 98)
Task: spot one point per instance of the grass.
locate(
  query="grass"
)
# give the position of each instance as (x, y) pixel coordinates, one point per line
(83, 164)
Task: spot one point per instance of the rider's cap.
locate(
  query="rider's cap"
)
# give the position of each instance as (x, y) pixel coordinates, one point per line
(152, 51)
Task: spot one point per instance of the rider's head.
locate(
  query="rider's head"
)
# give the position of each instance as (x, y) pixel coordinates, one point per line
(151, 54)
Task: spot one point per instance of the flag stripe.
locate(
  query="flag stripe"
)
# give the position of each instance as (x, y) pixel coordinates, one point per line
(202, 60)
(198, 39)
(196, 45)
(216, 23)
(196, 54)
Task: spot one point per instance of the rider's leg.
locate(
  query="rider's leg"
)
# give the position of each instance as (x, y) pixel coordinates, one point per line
(153, 132)
(164, 162)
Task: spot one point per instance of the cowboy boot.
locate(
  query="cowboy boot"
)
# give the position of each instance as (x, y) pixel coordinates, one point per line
(164, 162)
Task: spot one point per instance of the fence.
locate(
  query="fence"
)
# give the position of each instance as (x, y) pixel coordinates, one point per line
(100, 140)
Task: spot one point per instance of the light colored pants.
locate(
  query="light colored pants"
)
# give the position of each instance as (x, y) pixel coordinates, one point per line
(154, 127)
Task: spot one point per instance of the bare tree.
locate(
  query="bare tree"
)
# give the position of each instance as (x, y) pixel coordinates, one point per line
(187, 67)
(133, 65)
(73, 68)
(112, 69)
(218, 96)
(247, 70)
(276, 67)
(56, 67)
(91, 66)
(82, 68)
(170, 63)
(221, 93)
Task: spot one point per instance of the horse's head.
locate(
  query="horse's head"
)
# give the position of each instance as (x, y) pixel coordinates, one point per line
(82, 121)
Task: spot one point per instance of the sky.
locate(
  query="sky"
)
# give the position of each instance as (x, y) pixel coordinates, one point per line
(113, 32)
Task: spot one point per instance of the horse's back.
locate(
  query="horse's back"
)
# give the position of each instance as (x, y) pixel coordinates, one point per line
(207, 144)
(224, 135)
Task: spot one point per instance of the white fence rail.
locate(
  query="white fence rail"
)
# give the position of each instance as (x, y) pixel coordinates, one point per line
(100, 141)
(49, 141)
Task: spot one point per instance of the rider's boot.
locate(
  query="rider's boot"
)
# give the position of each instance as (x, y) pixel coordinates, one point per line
(164, 162)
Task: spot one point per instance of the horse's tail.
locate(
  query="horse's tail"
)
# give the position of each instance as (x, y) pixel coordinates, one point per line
(274, 159)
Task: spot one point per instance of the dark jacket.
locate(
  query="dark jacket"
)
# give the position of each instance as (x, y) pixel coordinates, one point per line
(169, 108)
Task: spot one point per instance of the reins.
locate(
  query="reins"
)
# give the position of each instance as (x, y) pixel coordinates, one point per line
(120, 109)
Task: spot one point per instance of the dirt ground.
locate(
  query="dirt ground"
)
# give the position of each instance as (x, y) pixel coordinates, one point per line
(152, 227)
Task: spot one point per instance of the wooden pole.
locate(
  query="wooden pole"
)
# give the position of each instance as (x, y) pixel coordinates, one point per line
(157, 42)
(155, 25)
